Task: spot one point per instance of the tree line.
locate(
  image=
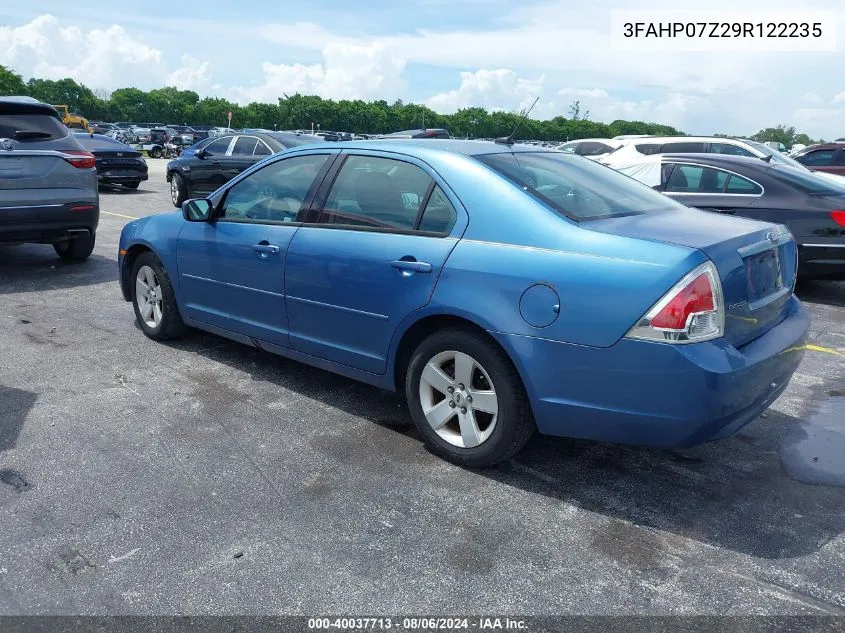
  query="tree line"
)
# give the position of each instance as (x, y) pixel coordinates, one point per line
(185, 107)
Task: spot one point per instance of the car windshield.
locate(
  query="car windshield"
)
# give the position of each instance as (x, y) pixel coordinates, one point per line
(776, 156)
(808, 181)
(579, 188)
(292, 140)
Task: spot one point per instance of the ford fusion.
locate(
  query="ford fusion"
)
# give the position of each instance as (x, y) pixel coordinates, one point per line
(502, 288)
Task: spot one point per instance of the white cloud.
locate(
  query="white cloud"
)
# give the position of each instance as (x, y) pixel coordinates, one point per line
(839, 98)
(594, 93)
(811, 97)
(99, 57)
(348, 71)
(498, 89)
(193, 75)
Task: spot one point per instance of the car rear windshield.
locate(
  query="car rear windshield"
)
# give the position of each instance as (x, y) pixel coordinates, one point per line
(31, 128)
(808, 181)
(578, 187)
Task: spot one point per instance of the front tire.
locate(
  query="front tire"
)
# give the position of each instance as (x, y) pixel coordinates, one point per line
(155, 152)
(178, 190)
(77, 248)
(154, 301)
(467, 399)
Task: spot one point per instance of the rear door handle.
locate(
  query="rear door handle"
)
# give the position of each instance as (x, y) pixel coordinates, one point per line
(264, 249)
(411, 265)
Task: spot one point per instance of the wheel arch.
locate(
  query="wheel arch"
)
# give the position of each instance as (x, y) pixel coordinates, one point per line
(129, 259)
(427, 324)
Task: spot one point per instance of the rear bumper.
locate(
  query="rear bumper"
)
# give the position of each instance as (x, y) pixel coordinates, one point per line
(655, 394)
(821, 261)
(49, 223)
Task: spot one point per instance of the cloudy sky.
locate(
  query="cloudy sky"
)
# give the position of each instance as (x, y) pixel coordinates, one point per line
(446, 53)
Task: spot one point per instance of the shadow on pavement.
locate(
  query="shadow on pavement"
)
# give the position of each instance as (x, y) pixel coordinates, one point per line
(36, 267)
(14, 407)
(830, 293)
(733, 494)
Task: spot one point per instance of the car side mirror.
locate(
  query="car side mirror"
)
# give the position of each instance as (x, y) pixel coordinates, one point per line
(197, 210)
(201, 153)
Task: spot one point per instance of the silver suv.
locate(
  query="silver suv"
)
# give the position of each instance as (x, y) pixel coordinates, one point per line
(48, 182)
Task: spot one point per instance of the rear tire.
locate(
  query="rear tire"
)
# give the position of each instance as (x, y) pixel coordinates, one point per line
(178, 190)
(489, 426)
(76, 248)
(132, 185)
(155, 152)
(153, 299)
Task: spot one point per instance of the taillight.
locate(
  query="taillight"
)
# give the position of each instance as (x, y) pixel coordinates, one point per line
(838, 217)
(80, 158)
(691, 312)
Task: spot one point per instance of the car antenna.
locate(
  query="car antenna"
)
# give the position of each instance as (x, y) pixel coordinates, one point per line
(508, 140)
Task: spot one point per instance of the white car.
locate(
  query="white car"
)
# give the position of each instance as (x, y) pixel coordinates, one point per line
(593, 148)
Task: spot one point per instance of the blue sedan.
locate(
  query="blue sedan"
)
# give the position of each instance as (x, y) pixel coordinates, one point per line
(504, 288)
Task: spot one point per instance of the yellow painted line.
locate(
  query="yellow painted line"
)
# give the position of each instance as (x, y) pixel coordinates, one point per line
(815, 348)
(120, 215)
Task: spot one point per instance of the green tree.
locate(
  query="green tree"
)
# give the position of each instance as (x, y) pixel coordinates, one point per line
(11, 83)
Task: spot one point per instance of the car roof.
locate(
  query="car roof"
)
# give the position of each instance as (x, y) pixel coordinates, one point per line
(26, 105)
(831, 145)
(682, 139)
(422, 146)
(725, 160)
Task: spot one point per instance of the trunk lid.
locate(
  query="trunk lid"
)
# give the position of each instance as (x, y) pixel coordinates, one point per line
(757, 261)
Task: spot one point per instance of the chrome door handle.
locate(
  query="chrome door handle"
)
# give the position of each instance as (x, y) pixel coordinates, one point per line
(412, 265)
(264, 250)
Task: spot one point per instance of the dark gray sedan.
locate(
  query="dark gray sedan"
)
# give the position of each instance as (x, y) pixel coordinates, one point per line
(812, 206)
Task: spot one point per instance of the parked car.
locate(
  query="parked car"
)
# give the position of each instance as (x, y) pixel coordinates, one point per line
(423, 133)
(48, 183)
(117, 163)
(590, 147)
(193, 149)
(203, 170)
(99, 127)
(812, 207)
(501, 287)
(634, 148)
(825, 157)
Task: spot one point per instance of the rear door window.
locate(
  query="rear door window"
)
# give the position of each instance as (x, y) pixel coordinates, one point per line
(819, 157)
(244, 146)
(682, 148)
(730, 150)
(740, 185)
(377, 193)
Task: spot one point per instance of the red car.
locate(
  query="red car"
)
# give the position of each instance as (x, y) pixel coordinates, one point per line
(827, 157)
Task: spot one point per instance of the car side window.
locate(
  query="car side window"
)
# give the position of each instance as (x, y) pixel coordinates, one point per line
(738, 184)
(376, 192)
(731, 150)
(261, 149)
(593, 148)
(275, 193)
(696, 179)
(819, 157)
(439, 215)
(218, 147)
(682, 148)
(648, 148)
(839, 159)
(244, 146)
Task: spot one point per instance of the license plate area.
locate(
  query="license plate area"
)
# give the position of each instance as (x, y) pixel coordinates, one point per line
(764, 275)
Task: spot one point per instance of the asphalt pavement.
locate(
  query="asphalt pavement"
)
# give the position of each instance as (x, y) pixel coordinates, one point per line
(206, 477)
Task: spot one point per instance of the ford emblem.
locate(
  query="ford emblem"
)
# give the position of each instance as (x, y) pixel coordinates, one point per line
(8, 144)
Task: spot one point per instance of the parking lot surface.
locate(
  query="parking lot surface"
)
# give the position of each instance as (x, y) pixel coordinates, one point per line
(206, 477)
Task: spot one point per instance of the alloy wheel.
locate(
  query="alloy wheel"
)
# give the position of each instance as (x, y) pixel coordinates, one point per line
(458, 399)
(149, 296)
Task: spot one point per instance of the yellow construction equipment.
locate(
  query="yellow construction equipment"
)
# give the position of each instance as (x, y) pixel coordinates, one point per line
(73, 121)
